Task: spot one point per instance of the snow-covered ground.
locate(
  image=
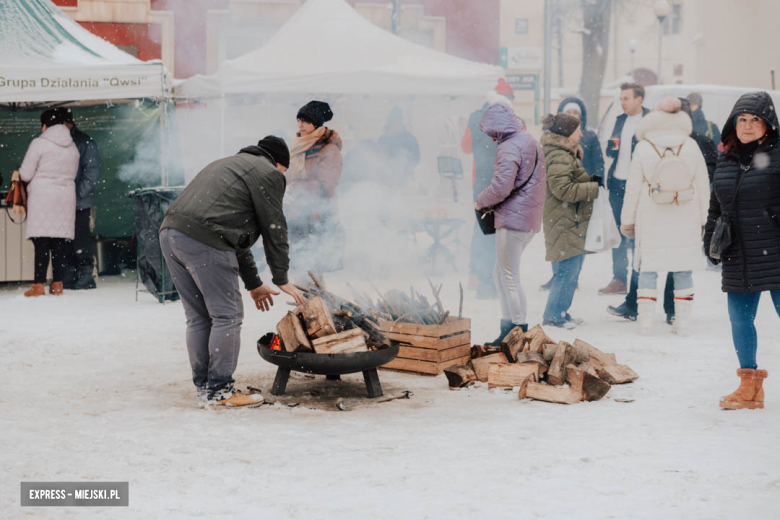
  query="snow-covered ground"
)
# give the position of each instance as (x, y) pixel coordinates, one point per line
(96, 388)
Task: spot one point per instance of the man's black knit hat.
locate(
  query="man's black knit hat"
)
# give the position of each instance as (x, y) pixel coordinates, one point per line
(277, 148)
(316, 113)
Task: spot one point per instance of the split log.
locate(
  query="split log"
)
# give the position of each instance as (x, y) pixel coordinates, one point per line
(564, 355)
(548, 351)
(317, 317)
(523, 389)
(345, 342)
(478, 351)
(482, 364)
(552, 394)
(511, 375)
(459, 376)
(589, 368)
(590, 387)
(512, 344)
(582, 354)
(533, 357)
(292, 334)
(536, 339)
(607, 368)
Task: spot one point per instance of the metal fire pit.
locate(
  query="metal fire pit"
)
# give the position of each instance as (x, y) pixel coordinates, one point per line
(331, 365)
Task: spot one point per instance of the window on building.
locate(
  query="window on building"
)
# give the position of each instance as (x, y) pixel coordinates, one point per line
(673, 22)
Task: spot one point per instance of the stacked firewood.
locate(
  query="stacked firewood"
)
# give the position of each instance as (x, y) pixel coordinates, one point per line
(329, 324)
(543, 369)
(398, 306)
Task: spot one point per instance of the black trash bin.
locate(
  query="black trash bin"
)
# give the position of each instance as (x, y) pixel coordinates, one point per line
(149, 207)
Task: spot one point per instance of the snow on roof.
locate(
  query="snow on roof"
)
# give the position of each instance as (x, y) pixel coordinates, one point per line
(328, 47)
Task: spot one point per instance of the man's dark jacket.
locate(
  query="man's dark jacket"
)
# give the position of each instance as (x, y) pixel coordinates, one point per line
(708, 150)
(614, 152)
(704, 127)
(484, 149)
(230, 204)
(592, 158)
(89, 168)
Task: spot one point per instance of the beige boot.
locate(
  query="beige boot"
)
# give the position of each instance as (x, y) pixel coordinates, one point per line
(645, 302)
(750, 393)
(36, 289)
(239, 399)
(683, 306)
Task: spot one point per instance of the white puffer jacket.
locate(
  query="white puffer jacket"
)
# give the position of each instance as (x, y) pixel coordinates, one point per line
(668, 237)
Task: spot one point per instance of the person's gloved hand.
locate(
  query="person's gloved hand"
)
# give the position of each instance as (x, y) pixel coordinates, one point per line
(714, 261)
(627, 230)
(598, 179)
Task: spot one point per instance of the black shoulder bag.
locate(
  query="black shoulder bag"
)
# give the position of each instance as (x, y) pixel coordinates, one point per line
(486, 217)
(721, 235)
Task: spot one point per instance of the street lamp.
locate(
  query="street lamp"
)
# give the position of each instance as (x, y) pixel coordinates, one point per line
(662, 10)
(632, 46)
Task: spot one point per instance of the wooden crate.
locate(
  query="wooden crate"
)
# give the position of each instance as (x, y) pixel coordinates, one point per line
(429, 349)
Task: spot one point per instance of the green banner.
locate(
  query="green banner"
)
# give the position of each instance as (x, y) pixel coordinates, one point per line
(130, 140)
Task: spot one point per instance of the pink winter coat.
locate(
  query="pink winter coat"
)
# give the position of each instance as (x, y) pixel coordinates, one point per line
(49, 169)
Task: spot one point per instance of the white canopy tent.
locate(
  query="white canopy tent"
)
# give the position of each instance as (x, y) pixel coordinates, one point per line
(328, 47)
(46, 56)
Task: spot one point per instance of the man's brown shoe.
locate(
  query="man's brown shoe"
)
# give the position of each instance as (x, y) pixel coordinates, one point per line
(239, 399)
(56, 288)
(36, 289)
(614, 287)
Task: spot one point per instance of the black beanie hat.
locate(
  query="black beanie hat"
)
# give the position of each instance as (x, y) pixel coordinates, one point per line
(52, 117)
(65, 114)
(316, 113)
(561, 124)
(277, 148)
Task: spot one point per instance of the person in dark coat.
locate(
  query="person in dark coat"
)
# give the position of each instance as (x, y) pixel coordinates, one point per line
(483, 147)
(82, 250)
(746, 189)
(700, 123)
(592, 157)
(621, 148)
(708, 148)
(206, 237)
(401, 150)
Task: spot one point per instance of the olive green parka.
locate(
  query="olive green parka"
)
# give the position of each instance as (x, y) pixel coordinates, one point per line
(569, 202)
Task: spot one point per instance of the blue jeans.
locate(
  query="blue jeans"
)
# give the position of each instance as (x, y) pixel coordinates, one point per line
(617, 191)
(567, 273)
(483, 255)
(742, 311)
(682, 280)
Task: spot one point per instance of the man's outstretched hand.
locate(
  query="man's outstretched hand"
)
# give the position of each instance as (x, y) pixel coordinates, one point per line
(263, 295)
(294, 292)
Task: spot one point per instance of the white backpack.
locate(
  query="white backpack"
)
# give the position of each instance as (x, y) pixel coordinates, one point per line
(672, 182)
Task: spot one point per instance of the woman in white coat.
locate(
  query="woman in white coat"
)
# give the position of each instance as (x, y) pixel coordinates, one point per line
(665, 209)
(49, 169)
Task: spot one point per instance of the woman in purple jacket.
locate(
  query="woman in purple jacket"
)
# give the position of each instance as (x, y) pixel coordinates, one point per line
(519, 165)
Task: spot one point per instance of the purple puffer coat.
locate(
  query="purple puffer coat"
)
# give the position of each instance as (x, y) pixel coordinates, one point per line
(50, 167)
(517, 152)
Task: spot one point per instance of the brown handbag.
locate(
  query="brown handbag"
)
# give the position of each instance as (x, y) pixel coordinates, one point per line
(17, 201)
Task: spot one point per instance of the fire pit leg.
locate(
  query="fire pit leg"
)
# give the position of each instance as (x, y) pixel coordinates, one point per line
(280, 382)
(373, 388)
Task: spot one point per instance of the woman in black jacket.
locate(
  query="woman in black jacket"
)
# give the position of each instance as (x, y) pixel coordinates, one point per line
(746, 188)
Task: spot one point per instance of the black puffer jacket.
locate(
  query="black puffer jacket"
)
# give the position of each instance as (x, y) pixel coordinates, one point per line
(752, 263)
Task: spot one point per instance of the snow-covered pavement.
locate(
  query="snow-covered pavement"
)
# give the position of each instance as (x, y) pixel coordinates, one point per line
(96, 388)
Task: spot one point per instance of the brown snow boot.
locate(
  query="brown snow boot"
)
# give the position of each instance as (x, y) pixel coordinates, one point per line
(56, 288)
(36, 289)
(750, 393)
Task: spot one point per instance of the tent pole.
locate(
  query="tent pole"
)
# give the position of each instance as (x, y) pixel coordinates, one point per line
(222, 125)
(164, 143)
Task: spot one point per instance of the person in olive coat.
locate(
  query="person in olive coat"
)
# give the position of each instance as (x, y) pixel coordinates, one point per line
(746, 192)
(567, 211)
